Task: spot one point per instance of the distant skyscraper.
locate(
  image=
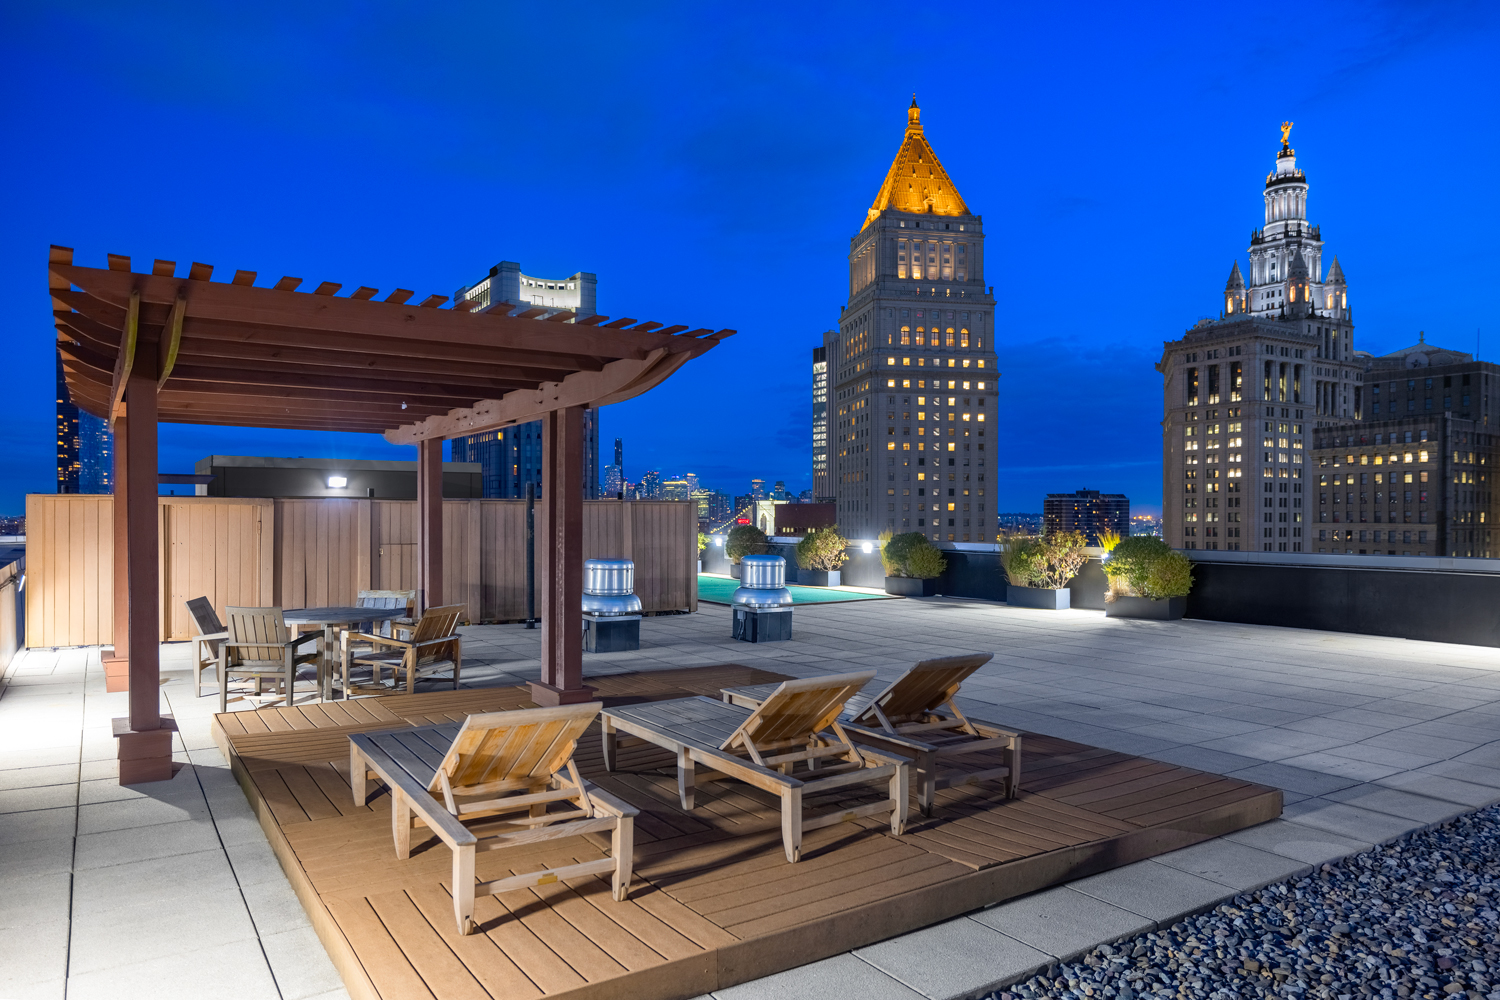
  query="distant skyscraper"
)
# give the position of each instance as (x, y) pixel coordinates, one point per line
(692, 480)
(512, 457)
(780, 493)
(85, 446)
(676, 489)
(1088, 511)
(911, 368)
(758, 489)
(822, 484)
(650, 487)
(1235, 476)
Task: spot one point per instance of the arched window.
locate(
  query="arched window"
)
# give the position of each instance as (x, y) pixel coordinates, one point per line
(949, 338)
(920, 336)
(963, 338)
(905, 336)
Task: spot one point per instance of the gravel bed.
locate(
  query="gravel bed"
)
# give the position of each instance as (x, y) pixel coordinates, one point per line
(1415, 918)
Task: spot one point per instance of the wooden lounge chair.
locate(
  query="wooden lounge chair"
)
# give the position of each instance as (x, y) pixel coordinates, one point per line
(260, 645)
(211, 633)
(432, 646)
(797, 723)
(916, 716)
(503, 770)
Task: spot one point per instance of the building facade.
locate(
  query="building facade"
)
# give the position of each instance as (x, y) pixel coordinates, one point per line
(614, 474)
(85, 446)
(822, 483)
(1412, 477)
(1244, 395)
(512, 457)
(1088, 511)
(911, 367)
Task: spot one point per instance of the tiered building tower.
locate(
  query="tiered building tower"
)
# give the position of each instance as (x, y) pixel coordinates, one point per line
(911, 367)
(1244, 393)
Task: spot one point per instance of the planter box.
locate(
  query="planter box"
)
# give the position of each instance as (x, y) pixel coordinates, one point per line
(734, 570)
(820, 577)
(1167, 610)
(905, 586)
(1039, 597)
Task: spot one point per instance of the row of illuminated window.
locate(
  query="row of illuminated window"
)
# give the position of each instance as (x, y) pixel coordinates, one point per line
(922, 337)
(1392, 459)
(938, 362)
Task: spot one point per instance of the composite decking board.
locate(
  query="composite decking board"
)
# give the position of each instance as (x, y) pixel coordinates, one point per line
(442, 972)
(709, 885)
(486, 961)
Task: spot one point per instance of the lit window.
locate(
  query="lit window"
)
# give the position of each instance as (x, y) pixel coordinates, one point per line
(890, 361)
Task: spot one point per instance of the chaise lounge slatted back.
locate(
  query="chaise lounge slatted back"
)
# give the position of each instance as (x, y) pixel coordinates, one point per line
(923, 689)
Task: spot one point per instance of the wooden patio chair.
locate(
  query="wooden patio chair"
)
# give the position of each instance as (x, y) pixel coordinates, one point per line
(389, 599)
(259, 644)
(916, 716)
(211, 633)
(798, 723)
(502, 771)
(433, 646)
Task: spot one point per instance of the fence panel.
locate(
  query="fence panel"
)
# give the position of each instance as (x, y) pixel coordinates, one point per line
(308, 553)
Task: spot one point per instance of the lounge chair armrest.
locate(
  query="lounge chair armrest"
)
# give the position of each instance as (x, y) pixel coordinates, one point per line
(610, 803)
(442, 822)
(740, 768)
(905, 742)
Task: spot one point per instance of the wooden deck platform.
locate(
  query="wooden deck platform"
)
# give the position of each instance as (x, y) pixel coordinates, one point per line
(714, 902)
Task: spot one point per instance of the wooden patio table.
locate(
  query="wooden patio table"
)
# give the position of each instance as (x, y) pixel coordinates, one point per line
(331, 620)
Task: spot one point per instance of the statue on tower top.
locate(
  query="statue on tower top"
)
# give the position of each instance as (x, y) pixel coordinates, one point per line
(1286, 134)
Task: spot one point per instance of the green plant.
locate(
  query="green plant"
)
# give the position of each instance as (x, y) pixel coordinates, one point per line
(911, 554)
(925, 562)
(884, 538)
(822, 549)
(1145, 566)
(1047, 563)
(1108, 540)
(702, 542)
(745, 540)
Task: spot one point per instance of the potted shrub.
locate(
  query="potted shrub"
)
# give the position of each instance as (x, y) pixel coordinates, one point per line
(1037, 570)
(744, 540)
(1147, 579)
(820, 554)
(702, 548)
(912, 564)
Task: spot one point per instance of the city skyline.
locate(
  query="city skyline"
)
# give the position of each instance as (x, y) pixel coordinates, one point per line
(1087, 289)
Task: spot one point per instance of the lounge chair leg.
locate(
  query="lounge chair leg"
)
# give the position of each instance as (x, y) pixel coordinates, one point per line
(686, 776)
(622, 848)
(791, 823)
(607, 731)
(463, 888)
(1013, 758)
(401, 827)
(223, 682)
(926, 791)
(900, 796)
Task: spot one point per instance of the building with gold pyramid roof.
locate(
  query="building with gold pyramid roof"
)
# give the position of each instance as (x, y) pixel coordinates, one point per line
(911, 368)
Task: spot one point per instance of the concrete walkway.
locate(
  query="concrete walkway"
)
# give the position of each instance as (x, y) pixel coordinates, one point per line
(171, 889)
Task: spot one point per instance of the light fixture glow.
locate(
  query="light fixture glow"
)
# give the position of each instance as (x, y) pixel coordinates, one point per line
(867, 548)
(337, 482)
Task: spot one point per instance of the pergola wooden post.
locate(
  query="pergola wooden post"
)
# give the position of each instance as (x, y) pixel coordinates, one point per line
(117, 660)
(140, 348)
(430, 523)
(559, 562)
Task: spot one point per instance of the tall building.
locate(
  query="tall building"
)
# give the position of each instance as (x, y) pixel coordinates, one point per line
(614, 475)
(911, 367)
(1244, 394)
(650, 486)
(85, 446)
(758, 489)
(1411, 478)
(1088, 511)
(512, 457)
(822, 483)
(676, 489)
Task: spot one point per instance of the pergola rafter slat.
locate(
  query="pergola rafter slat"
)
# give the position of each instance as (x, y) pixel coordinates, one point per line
(139, 349)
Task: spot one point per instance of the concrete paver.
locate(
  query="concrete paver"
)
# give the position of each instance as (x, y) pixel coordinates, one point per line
(1063, 922)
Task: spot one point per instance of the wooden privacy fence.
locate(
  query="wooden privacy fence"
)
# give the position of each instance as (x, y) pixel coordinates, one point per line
(320, 553)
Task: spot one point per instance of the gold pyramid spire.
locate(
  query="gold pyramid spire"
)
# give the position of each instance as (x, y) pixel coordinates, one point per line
(916, 181)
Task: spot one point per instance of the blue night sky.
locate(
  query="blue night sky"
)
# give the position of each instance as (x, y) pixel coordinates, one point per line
(711, 163)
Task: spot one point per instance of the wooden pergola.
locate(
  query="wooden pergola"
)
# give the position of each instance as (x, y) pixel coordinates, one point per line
(140, 349)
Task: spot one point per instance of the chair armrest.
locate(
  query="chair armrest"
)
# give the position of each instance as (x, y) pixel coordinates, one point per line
(379, 640)
(203, 636)
(609, 803)
(455, 637)
(304, 637)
